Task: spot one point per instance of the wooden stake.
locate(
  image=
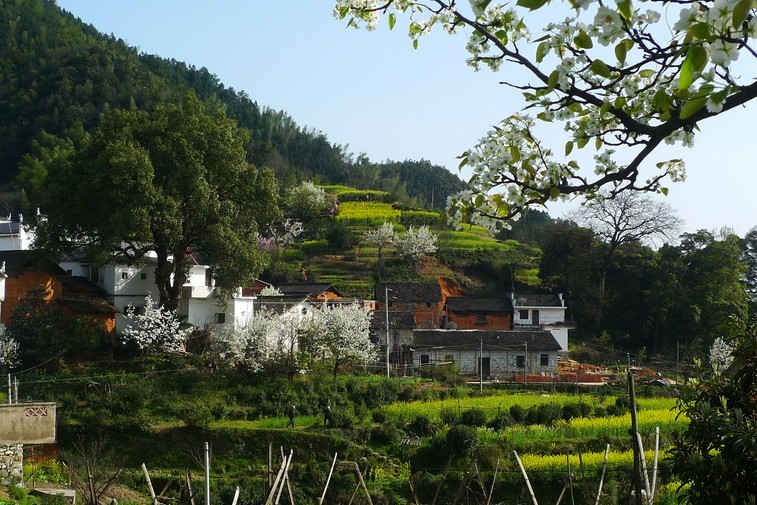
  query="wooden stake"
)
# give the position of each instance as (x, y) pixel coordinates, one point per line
(236, 497)
(570, 481)
(354, 493)
(564, 490)
(328, 479)
(480, 481)
(362, 483)
(644, 467)
(602, 478)
(272, 491)
(189, 488)
(525, 476)
(149, 485)
(491, 492)
(412, 491)
(284, 476)
(654, 469)
(634, 430)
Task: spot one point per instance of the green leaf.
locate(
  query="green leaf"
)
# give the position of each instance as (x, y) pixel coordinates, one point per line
(532, 4)
(554, 192)
(582, 142)
(664, 191)
(700, 31)
(625, 8)
(622, 48)
(598, 143)
(463, 162)
(646, 73)
(696, 59)
(740, 13)
(568, 147)
(619, 102)
(692, 107)
(661, 101)
(479, 201)
(541, 51)
(543, 117)
(583, 40)
(501, 35)
(600, 68)
(415, 43)
(392, 20)
(552, 81)
(605, 108)
(515, 153)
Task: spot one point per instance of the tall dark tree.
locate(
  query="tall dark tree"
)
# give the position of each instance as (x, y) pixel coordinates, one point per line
(173, 181)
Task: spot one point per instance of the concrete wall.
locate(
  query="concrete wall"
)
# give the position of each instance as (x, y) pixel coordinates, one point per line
(500, 362)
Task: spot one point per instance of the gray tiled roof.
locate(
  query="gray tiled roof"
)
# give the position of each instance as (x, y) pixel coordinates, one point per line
(397, 320)
(538, 340)
(552, 300)
(479, 304)
(409, 292)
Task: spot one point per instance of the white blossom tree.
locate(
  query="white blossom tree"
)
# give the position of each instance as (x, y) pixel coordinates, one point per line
(615, 75)
(307, 201)
(416, 243)
(9, 352)
(341, 333)
(380, 237)
(721, 354)
(155, 328)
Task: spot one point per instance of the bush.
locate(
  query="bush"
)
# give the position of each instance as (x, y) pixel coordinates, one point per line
(341, 419)
(517, 413)
(385, 434)
(378, 416)
(584, 409)
(449, 416)
(460, 440)
(474, 417)
(340, 236)
(570, 411)
(623, 403)
(501, 421)
(600, 411)
(549, 413)
(421, 426)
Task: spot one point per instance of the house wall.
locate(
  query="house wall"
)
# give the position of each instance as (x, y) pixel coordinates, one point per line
(16, 286)
(547, 315)
(468, 321)
(500, 362)
(242, 311)
(561, 335)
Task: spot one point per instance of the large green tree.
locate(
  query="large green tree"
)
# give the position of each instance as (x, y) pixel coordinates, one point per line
(173, 181)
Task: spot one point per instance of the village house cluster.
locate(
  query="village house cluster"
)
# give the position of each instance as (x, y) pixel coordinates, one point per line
(414, 325)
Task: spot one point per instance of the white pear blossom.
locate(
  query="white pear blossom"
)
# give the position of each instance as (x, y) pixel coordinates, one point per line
(155, 328)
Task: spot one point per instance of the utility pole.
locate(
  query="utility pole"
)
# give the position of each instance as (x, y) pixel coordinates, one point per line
(481, 364)
(638, 499)
(207, 473)
(386, 314)
(525, 366)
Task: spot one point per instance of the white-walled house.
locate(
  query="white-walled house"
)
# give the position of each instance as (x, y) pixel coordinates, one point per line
(491, 353)
(129, 285)
(543, 311)
(15, 236)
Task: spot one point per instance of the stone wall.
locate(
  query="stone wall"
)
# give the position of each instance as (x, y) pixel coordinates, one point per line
(11, 464)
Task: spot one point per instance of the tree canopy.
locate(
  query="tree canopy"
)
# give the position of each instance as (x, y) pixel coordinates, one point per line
(173, 181)
(610, 74)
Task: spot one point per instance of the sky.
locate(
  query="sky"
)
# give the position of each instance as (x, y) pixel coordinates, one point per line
(375, 94)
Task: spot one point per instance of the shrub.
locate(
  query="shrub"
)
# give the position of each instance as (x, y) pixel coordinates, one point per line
(421, 426)
(378, 416)
(570, 411)
(461, 440)
(340, 236)
(342, 419)
(449, 416)
(623, 403)
(600, 411)
(474, 417)
(548, 413)
(384, 434)
(501, 421)
(517, 413)
(584, 409)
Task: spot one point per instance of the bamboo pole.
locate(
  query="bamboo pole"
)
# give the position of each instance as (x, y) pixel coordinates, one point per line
(570, 481)
(525, 476)
(654, 468)
(647, 487)
(328, 479)
(236, 497)
(480, 481)
(362, 483)
(285, 476)
(491, 492)
(602, 478)
(149, 485)
(272, 491)
(412, 491)
(189, 488)
(564, 490)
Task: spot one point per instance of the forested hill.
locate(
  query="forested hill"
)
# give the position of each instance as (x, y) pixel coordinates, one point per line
(57, 72)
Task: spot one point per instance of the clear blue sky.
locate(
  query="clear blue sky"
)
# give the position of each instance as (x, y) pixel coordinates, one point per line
(373, 92)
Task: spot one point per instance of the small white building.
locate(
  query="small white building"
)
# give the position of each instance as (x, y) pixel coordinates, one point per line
(542, 311)
(15, 236)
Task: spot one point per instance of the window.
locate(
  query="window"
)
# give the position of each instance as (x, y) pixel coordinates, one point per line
(523, 314)
(520, 361)
(124, 275)
(481, 318)
(135, 310)
(143, 275)
(544, 360)
(425, 359)
(208, 278)
(220, 317)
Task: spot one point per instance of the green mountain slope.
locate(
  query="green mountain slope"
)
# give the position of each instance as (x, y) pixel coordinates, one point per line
(57, 72)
